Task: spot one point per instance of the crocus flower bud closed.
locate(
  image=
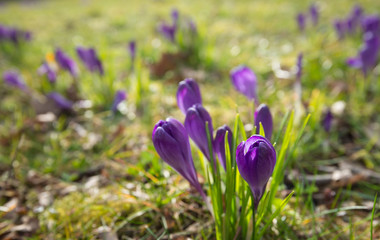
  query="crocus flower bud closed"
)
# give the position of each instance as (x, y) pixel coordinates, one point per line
(90, 59)
(301, 21)
(195, 124)
(14, 79)
(314, 13)
(120, 96)
(172, 144)
(263, 116)
(66, 63)
(61, 101)
(188, 94)
(219, 143)
(327, 121)
(256, 159)
(244, 80)
(299, 67)
(168, 31)
(340, 28)
(132, 50)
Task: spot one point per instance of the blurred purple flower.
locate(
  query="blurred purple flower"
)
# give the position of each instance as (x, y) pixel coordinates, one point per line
(354, 18)
(45, 69)
(219, 144)
(299, 67)
(327, 120)
(90, 59)
(340, 28)
(244, 80)
(120, 96)
(188, 94)
(263, 115)
(61, 101)
(14, 79)
(368, 54)
(66, 63)
(301, 21)
(256, 159)
(168, 31)
(195, 124)
(174, 14)
(371, 24)
(172, 144)
(132, 50)
(314, 13)
(13, 34)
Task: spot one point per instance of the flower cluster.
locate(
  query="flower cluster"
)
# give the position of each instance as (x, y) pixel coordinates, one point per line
(313, 13)
(255, 158)
(14, 35)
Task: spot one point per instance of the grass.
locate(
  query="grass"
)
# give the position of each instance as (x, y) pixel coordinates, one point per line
(260, 34)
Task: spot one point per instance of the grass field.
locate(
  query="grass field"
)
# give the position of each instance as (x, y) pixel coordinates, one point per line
(91, 174)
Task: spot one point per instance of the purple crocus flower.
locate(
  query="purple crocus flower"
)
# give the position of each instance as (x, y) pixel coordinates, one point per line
(168, 31)
(61, 101)
(244, 80)
(256, 159)
(368, 54)
(340, 28)
(188, 94)
(45, 69)
(314, 13)
(132, 50)
(90, 59)
(66, 63)
(14, 79)
(120, 96)
(301, 21)
(195, 124)
(327, 120)
(354, 18)
(172, 144)
(299, 67)
(174, 14)
(219, 144)
(263, 116)
(371, 24)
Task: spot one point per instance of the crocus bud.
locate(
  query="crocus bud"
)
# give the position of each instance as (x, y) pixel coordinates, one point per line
(66, 63)
(195, 124)
(244, 80)
(301, 21)
(119, 97)
(327, 120)
(263, 116)
(168, 31)
(314, 13)
(14, 79)
(188, 94)
(172, 144)
(219, 144)
(90, 59)
(299, 67)
(174, 14)
(256, 159)
(340, 28)
(61, 101)
(132, 50)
